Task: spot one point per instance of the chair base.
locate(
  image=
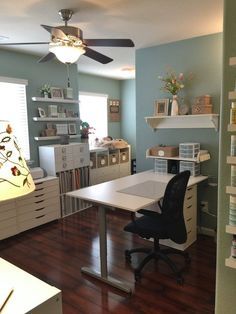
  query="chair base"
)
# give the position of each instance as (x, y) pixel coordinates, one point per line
(158, 254)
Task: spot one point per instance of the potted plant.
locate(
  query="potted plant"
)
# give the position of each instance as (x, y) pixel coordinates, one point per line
(85, 130)
(45, 90)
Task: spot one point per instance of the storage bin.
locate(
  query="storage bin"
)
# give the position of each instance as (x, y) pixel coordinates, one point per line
(193, 167)
(199, 109)
(161, 166)
(113, 158)
(164, 151)
(92, 162)
(189, 150)
(124, 156)
(102, 161)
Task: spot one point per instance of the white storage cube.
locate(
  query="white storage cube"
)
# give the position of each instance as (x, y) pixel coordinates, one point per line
(189, 150)
(161, 165)
(193, 167)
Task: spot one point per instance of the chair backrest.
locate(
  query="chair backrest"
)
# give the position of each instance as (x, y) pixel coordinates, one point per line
(172, 207)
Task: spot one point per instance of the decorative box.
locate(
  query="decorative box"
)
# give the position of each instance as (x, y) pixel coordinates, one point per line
(201, 109)
(203, 100)
(164, 151)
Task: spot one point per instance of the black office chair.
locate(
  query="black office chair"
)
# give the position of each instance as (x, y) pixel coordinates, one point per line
(169, 224)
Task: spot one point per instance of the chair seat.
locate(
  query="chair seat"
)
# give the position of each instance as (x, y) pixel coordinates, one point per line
(148, 227)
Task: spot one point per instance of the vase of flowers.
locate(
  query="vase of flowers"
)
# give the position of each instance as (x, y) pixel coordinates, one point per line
(85, 130)
(45, 90)
(173, 84)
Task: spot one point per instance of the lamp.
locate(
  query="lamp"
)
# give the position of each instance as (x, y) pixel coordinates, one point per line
(66, 53)
(15, 177)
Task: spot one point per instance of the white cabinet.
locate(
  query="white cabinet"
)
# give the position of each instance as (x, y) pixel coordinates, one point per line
(106, 165)
(30, 294)
(34, 209)
(190, 218)
(70, 163)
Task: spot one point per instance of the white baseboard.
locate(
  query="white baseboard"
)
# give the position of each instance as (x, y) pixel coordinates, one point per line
(206, 231)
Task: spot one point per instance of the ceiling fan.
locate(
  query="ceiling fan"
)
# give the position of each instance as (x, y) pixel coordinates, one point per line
(67, 43)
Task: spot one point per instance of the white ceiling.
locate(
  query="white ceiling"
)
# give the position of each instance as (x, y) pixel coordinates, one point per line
(147, 22)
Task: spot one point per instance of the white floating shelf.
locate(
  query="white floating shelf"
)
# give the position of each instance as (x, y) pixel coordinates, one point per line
(230, 189)
(232, 61)
(231, 127)
(230, 262)
(55, 119)
(176, 158)
(50, 138)
(231, 160)
(230, 229)
(59, 100)
(184, 122)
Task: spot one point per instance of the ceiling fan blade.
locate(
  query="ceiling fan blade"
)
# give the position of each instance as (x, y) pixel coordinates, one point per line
(54, 31)
(109, 42)
(97, 56)
(47, 57)
(19, 44)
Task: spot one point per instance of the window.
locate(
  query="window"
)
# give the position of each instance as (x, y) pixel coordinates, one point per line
(93, 109)
(13, 107)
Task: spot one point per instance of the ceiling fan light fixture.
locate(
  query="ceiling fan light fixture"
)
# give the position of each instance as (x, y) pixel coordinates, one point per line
(67, 54)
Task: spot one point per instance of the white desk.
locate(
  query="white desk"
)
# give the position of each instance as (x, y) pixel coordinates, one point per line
(109, 194)
(30, 294)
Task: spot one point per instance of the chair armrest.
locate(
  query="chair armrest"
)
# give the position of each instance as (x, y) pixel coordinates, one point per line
(149, 213)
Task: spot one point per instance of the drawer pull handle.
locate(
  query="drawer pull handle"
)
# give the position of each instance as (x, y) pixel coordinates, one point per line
(189, 198)
(189, 231)
(37, 202)
(39, 189)
(189, 219)
(37, 210)
(189, 206)
(39, 195)
(189, 189)
(40, 216)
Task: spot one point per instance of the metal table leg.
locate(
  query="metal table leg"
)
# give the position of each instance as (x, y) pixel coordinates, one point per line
(103, 274)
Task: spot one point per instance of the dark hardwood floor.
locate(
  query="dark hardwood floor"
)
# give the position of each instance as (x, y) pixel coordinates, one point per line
(56, 251)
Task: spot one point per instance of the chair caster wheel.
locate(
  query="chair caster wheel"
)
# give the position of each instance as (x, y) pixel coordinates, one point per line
(127, 256)
(180, 280)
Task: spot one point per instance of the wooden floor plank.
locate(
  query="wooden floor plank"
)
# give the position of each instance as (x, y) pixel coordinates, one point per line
(56, 251)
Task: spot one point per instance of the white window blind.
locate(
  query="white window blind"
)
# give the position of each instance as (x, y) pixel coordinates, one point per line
(93, 109)
(13, 107)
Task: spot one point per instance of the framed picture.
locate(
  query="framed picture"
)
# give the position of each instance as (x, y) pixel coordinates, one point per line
(42, 113)
(52, 111)
(57, 93)
(72, 128)
(161, 107)
(113, 110)
(61, 129)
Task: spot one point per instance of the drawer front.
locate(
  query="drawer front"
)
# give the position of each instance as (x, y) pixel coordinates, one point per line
(6, 206)
(190, 192)
(63, 165)
(8, 223)
(63, 158)
(38, 213)
(11, 213)
(47, 183)
(8, 232)
(39, 197)
(36, 206)
(41, 219)
(81, 155)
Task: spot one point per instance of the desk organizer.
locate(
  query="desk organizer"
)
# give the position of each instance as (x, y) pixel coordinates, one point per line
(189, 150)
(193, 167)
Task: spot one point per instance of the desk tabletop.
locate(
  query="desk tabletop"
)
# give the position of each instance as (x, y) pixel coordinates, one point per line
(112, 193)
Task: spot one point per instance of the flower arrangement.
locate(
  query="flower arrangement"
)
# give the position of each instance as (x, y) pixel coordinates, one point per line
(172, 83)
(45, 89)
(85, 129)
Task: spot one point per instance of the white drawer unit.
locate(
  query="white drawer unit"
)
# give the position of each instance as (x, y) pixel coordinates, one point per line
(190, 218)
(34, 209)
(58, 158)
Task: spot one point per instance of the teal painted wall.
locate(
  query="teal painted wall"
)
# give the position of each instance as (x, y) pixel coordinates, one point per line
(25, 66)
(225, 276)
(102, 85)
(128, 114)
(201, 56)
